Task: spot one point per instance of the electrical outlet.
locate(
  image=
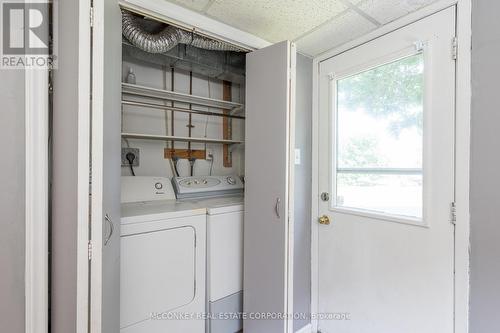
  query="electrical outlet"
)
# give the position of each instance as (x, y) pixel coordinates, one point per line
(210, 154)
(134, 151)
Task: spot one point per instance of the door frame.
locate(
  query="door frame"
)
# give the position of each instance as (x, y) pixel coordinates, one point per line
(462, 150)
(36, 200)
(83, 172)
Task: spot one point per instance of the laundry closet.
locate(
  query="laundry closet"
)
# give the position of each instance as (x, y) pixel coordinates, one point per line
(193, 161)
(182, 109)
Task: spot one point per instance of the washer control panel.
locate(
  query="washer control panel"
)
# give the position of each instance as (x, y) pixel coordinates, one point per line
(206, 186)
(138, 189)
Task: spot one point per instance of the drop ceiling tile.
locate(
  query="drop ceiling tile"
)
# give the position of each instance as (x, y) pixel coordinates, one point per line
(198, 5)
(386, 11)
(275, 20)
(340, 30)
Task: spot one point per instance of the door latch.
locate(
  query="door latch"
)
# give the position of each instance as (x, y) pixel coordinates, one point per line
(325, 220)
(325, 196)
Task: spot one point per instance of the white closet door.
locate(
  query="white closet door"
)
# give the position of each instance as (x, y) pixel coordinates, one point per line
(268, 227)
(105, 202)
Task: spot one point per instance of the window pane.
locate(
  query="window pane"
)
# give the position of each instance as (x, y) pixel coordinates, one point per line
(379, 126)
(391, 194)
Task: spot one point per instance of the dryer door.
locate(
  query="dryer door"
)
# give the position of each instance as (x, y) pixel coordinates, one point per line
(163, 276)
(157, 273)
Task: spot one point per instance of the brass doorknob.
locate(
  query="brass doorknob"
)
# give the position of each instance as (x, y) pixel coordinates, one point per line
(324, 220)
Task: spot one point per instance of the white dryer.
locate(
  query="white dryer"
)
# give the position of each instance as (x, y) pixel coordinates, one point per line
(163, 255)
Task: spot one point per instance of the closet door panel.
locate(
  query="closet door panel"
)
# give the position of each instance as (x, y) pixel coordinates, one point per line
(268, 172)
(106, 160)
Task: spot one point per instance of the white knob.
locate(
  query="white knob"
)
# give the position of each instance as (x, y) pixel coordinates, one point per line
(231, 181)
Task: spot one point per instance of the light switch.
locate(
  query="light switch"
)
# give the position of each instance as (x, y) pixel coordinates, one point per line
(297, 156)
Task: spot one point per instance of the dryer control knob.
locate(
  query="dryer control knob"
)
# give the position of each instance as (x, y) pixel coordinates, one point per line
(231, 181)
(158, 186)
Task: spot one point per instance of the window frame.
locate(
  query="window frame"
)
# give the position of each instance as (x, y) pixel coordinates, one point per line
(418, 47)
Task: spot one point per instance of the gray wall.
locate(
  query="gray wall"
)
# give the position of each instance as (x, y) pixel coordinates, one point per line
(303, 180)
(485, 168)
(64, 186)
(12, 203)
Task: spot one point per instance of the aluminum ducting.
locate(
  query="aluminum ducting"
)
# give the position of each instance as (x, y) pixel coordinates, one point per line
(166, 39)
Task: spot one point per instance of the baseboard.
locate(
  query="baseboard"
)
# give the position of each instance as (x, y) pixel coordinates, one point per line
(305, 329)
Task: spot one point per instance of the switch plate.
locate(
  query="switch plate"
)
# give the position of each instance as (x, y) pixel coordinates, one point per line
(297, 156)
(134, 151)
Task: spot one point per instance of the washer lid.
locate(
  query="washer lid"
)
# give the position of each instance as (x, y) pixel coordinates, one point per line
(224, 209)
(221, 205)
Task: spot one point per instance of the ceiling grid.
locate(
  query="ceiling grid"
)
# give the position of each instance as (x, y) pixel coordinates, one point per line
(315, 25)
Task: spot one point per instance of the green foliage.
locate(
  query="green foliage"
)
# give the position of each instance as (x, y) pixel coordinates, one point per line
(393, 91)
(358, 153)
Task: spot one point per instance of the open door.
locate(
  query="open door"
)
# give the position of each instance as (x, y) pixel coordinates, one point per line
(268, 230)
(105, 174)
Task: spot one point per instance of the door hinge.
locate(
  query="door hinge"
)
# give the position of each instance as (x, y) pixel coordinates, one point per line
(89, 250)
(453, 213)
(91, 17)
(51, 80)
(454, 48)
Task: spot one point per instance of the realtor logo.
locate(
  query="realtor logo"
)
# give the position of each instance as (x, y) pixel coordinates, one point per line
(26, 34)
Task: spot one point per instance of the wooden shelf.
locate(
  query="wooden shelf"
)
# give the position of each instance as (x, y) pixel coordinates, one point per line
(141, 91)
(178, 138)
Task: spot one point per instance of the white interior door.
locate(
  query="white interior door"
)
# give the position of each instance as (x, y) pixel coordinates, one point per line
(268, 227)
(105, 189)
(386, 159)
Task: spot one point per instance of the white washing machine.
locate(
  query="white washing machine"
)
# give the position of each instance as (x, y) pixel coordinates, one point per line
(225, 267)
(163, 259)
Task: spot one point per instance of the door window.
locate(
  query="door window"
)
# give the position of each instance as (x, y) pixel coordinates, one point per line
(379, 138)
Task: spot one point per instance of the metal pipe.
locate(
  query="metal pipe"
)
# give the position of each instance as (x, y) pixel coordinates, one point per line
(178, 138)
(178, 97)
(177, 109)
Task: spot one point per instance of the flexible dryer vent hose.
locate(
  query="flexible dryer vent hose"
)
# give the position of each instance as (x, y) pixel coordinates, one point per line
(166, 39)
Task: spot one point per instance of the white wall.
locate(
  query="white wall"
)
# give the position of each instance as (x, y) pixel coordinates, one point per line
(151, 121)
(303, 181)
(12, 203)
(485, 166)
